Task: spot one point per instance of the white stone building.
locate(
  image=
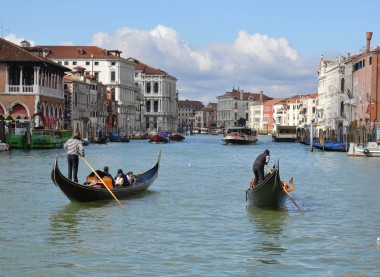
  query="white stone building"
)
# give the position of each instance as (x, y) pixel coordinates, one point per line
(234, 106)
(160, 97)
(330, 93)
(108, 67)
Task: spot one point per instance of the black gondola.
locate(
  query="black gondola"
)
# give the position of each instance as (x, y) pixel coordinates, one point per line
(269, 193)
(84, 193)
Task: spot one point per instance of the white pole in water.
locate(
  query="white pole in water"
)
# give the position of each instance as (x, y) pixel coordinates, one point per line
(311, 136)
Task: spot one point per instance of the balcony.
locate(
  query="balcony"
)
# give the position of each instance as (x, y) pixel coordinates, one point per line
(36, 90)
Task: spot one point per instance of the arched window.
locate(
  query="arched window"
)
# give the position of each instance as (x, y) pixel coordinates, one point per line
(155, 106)
(155, 87)
(148, 106)
(342, 85)
(148, 87)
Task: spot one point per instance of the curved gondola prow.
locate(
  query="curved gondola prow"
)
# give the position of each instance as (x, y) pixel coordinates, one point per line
(268, 193)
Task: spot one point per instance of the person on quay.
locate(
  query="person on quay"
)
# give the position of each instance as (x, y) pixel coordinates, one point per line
(258, 166)
(74, 148)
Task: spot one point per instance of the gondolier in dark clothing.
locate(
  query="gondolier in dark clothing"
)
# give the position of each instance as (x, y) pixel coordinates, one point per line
(74, 148)
(258, 166)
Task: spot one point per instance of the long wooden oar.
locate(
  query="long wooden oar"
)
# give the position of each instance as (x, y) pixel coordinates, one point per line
(291, 198)
(102, 181)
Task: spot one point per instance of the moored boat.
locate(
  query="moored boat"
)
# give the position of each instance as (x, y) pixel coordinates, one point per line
(159, 139)
(331, 146)
(240, 135)
(285, 134)
(85, 193)
(269, 193)
(370, 149)
(177, 137)
(117, 137)
(4, 146)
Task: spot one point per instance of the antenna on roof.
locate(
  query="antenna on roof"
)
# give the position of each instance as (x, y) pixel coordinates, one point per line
(2, 30)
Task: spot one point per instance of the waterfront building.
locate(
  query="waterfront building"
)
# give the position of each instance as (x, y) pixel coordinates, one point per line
(261, 115)
(362, 101)
(307, 114)
(210, 115)
(233, 107)
(160, 97)
(186, 114)
(85, 105)
(106, 66)
(330, 95)
(256, 117)
(31, 86)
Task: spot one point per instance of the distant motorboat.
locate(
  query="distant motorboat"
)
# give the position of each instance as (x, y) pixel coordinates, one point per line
(240, 135)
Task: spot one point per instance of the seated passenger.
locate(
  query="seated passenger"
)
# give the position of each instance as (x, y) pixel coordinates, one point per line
(106, 173)
(93, 180)
(120, 179)
(131, 178)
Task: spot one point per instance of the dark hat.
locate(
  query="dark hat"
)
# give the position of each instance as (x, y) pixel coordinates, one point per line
(106, 168)
(266, 151)
(119, 171)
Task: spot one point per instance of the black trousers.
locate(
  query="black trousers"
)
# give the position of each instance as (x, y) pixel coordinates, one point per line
(259, 173)
(72, 163)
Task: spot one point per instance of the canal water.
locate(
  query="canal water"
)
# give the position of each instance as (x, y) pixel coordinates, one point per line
(194, 220)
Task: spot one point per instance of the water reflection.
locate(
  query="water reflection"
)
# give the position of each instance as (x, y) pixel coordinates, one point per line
(267, 234)
(64, 222)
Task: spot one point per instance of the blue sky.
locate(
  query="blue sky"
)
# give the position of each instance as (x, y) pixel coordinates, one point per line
(210, 46)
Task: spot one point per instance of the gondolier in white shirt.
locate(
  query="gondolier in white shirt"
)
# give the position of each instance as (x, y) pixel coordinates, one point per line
(74, 148)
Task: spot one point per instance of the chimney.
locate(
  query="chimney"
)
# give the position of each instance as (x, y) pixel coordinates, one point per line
(369, 36)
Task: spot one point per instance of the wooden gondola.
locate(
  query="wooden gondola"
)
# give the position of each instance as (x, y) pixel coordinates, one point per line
(269, 193)
(85, 193)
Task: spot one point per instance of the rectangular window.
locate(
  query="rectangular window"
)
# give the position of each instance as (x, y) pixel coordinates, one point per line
(370, 60)
(74, 63)
(66, 63)
(113, 63)
(87, 63)
(113, 75)
(96, 63)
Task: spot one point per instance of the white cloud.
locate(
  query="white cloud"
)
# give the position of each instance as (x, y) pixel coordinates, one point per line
(253, 62)
(12, 38)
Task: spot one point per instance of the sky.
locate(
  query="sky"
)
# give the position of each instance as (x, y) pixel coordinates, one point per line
(210, 46)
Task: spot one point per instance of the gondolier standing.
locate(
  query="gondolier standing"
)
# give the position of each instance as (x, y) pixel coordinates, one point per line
(258, 166)
(74, 148)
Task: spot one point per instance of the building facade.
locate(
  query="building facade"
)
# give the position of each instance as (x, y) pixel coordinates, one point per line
(160, 96)
(106, 66)
(233, 107)
(31, 87)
